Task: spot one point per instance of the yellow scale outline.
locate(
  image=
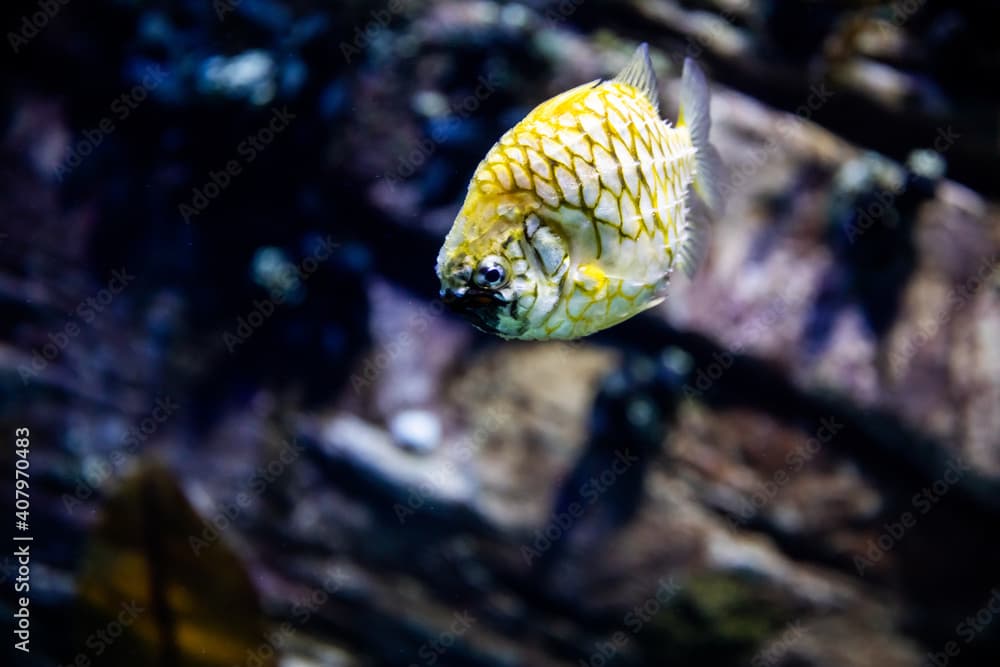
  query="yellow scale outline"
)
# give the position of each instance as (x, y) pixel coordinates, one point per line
(544, 123)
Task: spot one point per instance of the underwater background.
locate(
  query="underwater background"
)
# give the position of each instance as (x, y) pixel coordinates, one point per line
(257, 438)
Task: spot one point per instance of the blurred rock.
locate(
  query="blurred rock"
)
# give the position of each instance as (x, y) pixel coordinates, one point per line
(406, 473)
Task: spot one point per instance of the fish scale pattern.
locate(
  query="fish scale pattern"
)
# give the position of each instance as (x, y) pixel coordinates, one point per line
(612, 176)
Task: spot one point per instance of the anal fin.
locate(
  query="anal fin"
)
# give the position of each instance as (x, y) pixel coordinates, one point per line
(695, 236)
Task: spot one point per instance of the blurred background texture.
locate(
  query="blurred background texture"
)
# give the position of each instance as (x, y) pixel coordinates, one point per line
(258, 438)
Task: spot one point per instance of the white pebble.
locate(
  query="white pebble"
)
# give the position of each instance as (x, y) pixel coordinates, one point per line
(419, 430)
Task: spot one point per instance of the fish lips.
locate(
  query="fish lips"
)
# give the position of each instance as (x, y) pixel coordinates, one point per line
(481, 307)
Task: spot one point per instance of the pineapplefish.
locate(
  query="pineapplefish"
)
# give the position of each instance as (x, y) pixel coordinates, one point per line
(576, 219)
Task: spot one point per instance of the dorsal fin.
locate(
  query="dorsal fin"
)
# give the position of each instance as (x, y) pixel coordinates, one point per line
(639, 73)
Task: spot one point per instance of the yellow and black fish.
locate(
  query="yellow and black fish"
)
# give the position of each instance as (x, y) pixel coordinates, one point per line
(576, 219)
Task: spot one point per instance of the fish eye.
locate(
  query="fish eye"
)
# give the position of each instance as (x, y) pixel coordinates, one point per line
(491, 274)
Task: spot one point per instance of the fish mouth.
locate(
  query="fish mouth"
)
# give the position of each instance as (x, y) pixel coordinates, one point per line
(481, 307)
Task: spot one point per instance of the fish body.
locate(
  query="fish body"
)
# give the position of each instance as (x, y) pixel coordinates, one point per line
(576, 218)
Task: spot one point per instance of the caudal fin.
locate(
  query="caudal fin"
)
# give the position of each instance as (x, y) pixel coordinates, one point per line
(694, 114)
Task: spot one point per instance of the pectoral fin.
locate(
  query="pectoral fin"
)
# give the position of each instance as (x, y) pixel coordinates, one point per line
(595, 280)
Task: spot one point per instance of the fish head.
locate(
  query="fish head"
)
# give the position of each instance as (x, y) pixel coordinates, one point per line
(490, 270)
